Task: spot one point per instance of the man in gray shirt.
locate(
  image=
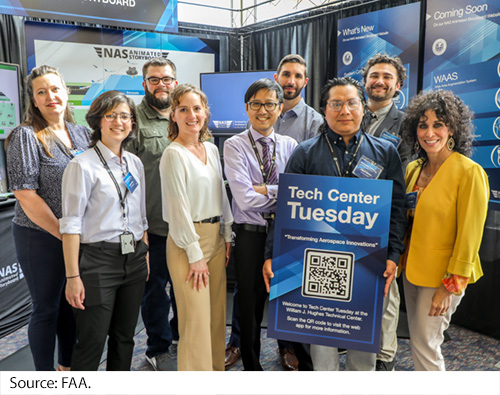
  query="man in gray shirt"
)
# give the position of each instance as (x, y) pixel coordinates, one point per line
(153, 117)
(297, 120)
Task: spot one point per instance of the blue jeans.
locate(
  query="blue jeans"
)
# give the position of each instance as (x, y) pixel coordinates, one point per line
(155, 305)
(41, 257)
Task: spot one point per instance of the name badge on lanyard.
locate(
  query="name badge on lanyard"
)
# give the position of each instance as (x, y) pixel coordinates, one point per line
(130, 182)
(411, 200)
(366, 168)
(392, 138)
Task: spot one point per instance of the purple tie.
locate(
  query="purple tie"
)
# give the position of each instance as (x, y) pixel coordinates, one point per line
(266, 142)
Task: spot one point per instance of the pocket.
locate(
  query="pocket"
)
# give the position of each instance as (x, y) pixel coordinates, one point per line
(91, 277)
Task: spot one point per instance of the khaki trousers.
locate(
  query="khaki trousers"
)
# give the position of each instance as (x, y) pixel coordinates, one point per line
(426, 333)
(389, 331)
(202, 314)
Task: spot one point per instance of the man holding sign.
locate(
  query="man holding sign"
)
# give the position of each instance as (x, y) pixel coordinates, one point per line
(343, 149)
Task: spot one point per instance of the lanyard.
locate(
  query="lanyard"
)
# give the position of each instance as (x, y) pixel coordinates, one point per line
(336, 159)
(259, 159)
(122, 198)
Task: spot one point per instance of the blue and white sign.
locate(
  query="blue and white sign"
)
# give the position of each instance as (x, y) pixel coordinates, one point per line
(462, 54)
(388, 31)
(158, 15)
(330, 251)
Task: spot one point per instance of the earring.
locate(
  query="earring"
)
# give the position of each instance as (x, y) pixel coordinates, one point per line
(451, 143)
(416, 147)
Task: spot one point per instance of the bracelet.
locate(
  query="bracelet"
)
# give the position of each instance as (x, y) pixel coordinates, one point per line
(73, 276)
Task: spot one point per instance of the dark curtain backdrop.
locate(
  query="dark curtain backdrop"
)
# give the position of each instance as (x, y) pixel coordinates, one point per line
(313, 38)
(12, 43)
(12, 49)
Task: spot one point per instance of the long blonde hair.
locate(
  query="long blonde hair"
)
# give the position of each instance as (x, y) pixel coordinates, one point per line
(33, 116)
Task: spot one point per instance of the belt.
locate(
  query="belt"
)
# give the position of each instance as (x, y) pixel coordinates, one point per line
(253, 228)
(106, 245)
(212, 220)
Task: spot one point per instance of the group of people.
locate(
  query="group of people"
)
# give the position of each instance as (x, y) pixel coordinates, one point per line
(106, 217)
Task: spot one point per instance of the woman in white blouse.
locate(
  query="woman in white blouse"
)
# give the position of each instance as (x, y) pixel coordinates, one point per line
(197, 209)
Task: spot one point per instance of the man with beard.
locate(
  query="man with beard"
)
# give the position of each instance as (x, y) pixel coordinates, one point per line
(297, 119)
(153, 118)
(383, 76)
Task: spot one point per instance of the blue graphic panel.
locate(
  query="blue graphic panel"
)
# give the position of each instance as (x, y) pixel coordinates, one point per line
(387, 31)
(462, 54)
(330, 250)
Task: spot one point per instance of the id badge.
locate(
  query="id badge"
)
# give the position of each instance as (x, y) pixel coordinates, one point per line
(76, 152)
(393, 139)
(127, 243)
(130, 182)
(411, 200)
(366, 168)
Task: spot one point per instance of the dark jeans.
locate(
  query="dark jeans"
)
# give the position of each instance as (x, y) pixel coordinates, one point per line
(41, 257)
(155, 305)
(114, 285)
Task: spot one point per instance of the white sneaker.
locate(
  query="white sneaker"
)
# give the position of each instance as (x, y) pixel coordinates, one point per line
(163, 362)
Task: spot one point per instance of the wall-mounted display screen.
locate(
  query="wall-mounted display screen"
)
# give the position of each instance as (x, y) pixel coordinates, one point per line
(10, 102)
(226, 98)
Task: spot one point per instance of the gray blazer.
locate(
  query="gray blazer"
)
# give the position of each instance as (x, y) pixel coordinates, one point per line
(392, 124)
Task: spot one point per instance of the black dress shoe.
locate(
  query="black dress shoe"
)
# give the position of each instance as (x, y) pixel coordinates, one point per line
(232, 356)
(383, 366)
(289, 360)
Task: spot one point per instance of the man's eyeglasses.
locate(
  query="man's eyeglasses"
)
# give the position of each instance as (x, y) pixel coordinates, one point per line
(337, 105)
(156, 80)
(256, 106)
(124, 117)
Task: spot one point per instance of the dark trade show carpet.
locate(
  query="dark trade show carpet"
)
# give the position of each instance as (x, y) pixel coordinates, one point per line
(464, 351)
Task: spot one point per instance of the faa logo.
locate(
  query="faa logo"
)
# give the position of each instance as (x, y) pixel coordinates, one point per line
(498, 69)
(347, 58)
(497, 98)
(400, 100)
(496, 128)
(439, 46)
(495, 156)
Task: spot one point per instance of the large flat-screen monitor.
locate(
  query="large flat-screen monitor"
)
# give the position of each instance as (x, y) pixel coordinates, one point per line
(10, 98)
(226, 98)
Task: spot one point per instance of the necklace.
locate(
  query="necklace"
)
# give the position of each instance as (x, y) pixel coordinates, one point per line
(428, 173)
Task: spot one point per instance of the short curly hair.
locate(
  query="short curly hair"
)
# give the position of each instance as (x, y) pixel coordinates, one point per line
(450, 109)
(393, 61)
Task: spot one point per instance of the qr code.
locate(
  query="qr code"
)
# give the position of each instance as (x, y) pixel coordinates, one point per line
(328, 274)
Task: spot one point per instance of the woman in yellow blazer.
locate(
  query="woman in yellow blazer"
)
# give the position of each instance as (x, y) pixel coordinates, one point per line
(447, 200)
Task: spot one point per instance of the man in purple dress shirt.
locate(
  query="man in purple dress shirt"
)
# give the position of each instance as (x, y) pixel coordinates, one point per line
(253, 160)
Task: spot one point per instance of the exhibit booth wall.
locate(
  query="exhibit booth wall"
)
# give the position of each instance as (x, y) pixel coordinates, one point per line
(314, 36)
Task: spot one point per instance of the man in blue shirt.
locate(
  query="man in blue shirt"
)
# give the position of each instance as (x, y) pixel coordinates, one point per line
(301, 122)
(253, 160)
(336, 151)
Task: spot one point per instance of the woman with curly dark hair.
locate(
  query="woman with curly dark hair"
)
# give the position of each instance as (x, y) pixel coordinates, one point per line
(447, 200)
